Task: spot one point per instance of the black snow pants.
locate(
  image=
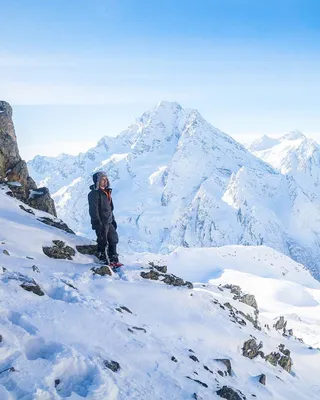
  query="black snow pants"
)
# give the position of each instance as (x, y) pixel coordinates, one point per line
(108, 236)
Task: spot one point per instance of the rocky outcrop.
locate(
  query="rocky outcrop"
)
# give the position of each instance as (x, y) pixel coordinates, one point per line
(88, 249)
(114, 366)
(59, 251)
(159, 273)
(251, 349)
(57, 223)
(41, 200)
(227, 392)
(14, 170)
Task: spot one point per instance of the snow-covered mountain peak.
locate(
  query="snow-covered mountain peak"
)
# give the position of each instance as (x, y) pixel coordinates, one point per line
(293, 135)
(179, 181)
(263, 143)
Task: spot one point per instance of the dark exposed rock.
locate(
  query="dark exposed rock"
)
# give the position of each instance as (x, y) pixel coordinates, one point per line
(104, 270)
(174, 359)
(153, 275)
(194, 358)
(220, 373)
(235, 289)
(139, 329)
(59, 251)
(250, 300)
(251, 349)
(32, 287)
(124, 308)
(283, 350)
(6, 252)
(196, 396)
(35, 269)
(10, 369)
(13, 170)
(285, 361)
(169, 279)
(196, 380)
(253, 320)
(228, 393)
(88, 249)
(281, 324)
(28, 210)
(207, 369)
(273, 358)
(130, 330)
(161, 268)
(113, 365)
(56, 224)
(29, 258)
(41, 200)
(70, 285)
(57, 382)
(227, 363)
(262, 379)
(1, 338)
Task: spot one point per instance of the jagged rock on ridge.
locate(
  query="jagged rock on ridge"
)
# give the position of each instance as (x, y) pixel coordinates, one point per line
(281, 324)
(14, 170)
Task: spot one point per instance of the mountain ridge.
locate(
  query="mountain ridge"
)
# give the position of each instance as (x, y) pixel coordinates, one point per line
(171, 173)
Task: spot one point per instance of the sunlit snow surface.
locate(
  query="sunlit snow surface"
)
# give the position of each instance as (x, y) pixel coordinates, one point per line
(57, 343)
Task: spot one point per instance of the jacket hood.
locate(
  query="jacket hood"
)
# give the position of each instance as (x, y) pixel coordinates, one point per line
(97, 177)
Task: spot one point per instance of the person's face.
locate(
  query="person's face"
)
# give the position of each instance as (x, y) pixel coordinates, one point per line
(103, 182)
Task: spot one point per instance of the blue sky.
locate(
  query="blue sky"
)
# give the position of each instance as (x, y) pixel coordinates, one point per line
(79, 69)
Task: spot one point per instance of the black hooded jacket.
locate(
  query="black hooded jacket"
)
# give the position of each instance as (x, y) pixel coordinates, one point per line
(100, 209)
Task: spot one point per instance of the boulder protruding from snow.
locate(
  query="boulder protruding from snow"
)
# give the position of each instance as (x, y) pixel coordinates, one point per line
(169, 279)
(251, 349)
(227, 392)
(56, 223)
(103, 271)
(59, 251)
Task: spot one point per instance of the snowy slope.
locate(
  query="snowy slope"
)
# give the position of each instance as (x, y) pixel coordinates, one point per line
(54, 346)
(293, 154)
(57, 343)
(178, 181)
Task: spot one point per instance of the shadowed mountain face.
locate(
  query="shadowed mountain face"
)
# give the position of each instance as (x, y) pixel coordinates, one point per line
(179, 181)
(14, 170)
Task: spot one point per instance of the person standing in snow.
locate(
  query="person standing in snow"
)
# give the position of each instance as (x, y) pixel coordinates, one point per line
(102, 218)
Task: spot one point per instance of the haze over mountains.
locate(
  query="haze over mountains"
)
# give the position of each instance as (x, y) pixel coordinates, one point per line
(179, 181)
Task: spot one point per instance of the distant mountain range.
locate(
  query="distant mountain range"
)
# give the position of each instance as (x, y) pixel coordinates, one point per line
(179, 181)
